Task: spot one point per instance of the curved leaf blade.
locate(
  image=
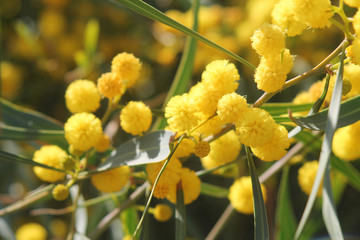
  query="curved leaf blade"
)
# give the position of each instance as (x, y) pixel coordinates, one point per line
(349, 113)
(150, 148)
(5, 156)
(260, 217)
(184, 71)
(323, 173)
(285, 217)
(180, 222)
(276, 109)
(24, 134)
(213, 190)
(17, 116)
(147, 10)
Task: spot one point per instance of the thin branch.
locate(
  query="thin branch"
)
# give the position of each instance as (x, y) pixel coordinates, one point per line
(316, 70)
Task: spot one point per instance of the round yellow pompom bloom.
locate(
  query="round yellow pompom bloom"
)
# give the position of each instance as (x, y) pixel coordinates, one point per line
(110, 85)
(241, 195)
(353, 3)
(356, 23)
(268, 40)
(60, 192)
(306, 177)
(230, 107)
(204, 98)
(127, 67)
(190, 185)
(186, 146)
(82, 96)
(50, 155)
(83, 131)
(135, 118)
(223, 150)
(275, 148)
(202, 149)
(222, 75)
(353, 51)
(346, 142)
(103, 143)
(31, 231)
(271, 73)
(283, 16)
(112, 180)
(256, 128)
(212, 126)
(315, 13)
(162, 212)
(352, 72)
(180, 113)
(171, 174)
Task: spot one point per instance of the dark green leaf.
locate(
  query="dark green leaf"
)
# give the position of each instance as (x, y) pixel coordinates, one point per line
(180, 223)
(5, 156)
(17, 116)
(260, 218)
(184, 71)
(276, 109)
(145, 9)
(213, 190)
(150, 148)
(55, 137)
(285, 218)
(350, 172)
(349, 113)
(323, 173)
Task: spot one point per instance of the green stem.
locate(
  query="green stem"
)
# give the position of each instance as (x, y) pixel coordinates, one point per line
(153, 188)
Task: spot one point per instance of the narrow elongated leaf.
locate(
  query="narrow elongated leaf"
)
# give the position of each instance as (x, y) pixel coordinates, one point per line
(91, 37)
(150, 148)
(350, 172)
(129, 220)
(148, 11)
(14, 115)
(180, 222)
(55, 137)
(329, 214)
(285, 218)
(260, 217)
(184, 71)
(213, 190)
(276, 109)
(10, 157)
(81, 216)
(349, 113)
(6, 231)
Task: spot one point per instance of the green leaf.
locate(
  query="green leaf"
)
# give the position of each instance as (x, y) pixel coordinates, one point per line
(129, 220)
(91, 38)
(180, 222)
(55, 137)
(349, 113)
(5, 156)
(323, 174)
(184, 71)
(260, 218)
(350, 172)
(213, 190)
(276, 109)
(285, 218)
(17, 116)
(150, 148)
(148, 11)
